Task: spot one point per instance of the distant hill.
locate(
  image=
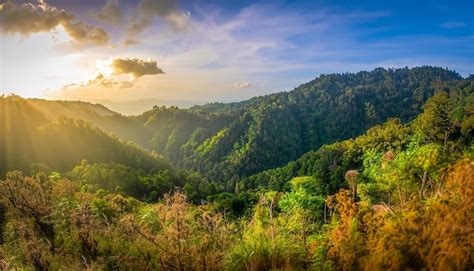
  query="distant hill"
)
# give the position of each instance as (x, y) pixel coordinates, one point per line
(136, 107)
(72, 109)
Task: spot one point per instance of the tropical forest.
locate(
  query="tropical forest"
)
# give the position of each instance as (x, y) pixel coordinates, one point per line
(365, 168)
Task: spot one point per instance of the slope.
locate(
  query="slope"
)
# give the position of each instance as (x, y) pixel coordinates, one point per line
(28, 135)
(272, 130)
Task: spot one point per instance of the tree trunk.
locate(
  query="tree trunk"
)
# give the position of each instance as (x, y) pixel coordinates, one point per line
(325, 210)
(445, 140)
(423, 184)
(2, 222)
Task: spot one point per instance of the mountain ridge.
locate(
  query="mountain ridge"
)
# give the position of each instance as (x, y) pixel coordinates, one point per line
(224, 140)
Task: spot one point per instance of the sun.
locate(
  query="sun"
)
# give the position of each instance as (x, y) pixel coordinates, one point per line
(105, 67)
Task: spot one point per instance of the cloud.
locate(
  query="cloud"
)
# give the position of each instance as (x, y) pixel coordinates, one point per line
(111, 13)
(148, 10)
(109, 76)
(452, 25)
(85, 33)
(132, 66)
(242, 85)
(99, 87)
(30, 18)
(276, 46)
(130, 41)
(100, 81)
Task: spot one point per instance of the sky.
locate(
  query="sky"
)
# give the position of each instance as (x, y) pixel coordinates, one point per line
(222, 50)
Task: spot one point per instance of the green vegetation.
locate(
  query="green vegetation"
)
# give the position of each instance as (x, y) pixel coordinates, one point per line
(270, 131)
(383, 180)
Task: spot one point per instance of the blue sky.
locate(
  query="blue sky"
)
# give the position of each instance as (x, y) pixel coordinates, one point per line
(393, 31)
(232, 50)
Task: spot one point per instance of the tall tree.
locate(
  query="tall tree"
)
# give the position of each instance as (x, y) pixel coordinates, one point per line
(435, 121)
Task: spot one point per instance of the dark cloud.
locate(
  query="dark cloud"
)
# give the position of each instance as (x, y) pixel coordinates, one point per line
(130, 41)
(148, 10)
(29, 18)
(111, 13)
(129, 66)
(135, 67)
(86, 33)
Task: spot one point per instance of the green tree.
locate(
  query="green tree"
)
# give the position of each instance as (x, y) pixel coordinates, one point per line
(435, 121)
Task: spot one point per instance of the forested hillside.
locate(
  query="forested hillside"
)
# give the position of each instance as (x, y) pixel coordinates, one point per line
(275, 129)
(236, 135)
(398, 197)
(229, 141)
(31, 135)
(269, 131)
(331, 162)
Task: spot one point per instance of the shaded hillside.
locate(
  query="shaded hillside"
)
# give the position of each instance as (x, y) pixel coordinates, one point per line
(275, 129)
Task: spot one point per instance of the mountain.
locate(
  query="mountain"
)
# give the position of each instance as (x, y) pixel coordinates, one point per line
(39, 131)
(383, 200)
(229, 141)
(329, 163)
(269, 131)
(72, 109)
(136, 107)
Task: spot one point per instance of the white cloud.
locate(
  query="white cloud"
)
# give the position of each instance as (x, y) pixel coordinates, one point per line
(242, 85)
(101, 81)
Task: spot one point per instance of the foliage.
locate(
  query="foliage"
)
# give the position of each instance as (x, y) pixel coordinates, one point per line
(398, 197)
